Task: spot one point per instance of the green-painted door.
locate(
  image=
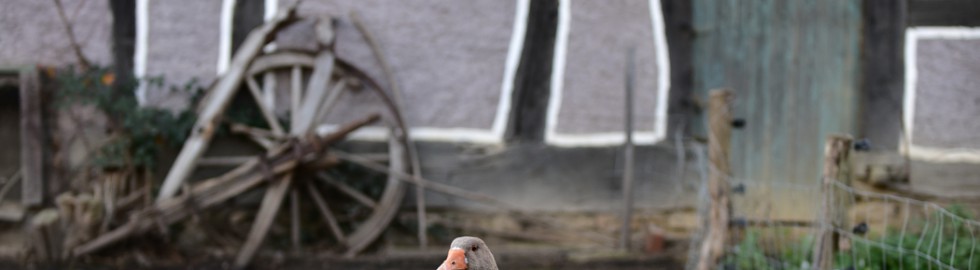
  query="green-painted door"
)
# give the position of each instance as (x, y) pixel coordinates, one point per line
(794, 66)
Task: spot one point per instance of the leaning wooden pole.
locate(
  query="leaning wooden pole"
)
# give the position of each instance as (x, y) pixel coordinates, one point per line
(624, 238)
(836, 151)
(719, 134)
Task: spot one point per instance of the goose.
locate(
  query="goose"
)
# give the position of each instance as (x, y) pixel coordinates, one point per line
(469, 253)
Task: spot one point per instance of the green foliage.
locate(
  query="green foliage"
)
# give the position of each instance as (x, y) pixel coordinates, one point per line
(952, 243)
(750, 253)
(942, 237)
(138, 133)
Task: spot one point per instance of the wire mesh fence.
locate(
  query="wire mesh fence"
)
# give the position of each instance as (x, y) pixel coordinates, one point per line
(776, 225)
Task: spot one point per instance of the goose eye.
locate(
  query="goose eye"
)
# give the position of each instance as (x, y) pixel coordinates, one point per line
(474, 248)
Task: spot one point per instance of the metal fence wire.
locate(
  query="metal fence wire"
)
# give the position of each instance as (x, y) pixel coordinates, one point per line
(776, 225)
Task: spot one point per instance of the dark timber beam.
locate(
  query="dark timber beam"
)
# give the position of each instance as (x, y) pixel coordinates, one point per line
(883, 66)
(941, 12)
(123, 36)
(532, 83)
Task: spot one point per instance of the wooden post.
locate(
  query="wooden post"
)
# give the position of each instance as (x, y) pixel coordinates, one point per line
(836, 151)
(719, 134)
(31, 139)
(624, 238)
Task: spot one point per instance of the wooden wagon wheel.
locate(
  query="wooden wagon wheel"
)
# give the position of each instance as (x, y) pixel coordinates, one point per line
(354, 232)
(293, 157)
(309, 103)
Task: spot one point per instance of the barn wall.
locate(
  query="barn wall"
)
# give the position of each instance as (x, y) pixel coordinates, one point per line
(32, 33)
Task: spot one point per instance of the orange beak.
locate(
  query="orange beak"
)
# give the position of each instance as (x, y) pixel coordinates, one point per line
(455, 261)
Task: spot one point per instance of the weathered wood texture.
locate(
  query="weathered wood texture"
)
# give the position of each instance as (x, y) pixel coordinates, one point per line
(628, 156)
(680, 37)
(831, 214)
(31, 139)
(883, 73)
(942, 12)
(123, 37)
(795, 68)
(219, 189)
(719, 174)
(218, 98)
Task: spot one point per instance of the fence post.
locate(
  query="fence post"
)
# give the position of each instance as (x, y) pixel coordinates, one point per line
(836, 152)
(719, 133)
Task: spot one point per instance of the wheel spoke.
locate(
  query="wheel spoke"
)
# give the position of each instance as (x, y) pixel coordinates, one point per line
(224, 161)
(267, 112)
(325, 211)
(332, 98)
(267, 213)
(346, 189)
(260, 136)
(294, 217)
(269, 90)
(316, 92)
(296, 95)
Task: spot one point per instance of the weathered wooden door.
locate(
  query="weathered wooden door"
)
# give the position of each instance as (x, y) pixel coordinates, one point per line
(794, 66)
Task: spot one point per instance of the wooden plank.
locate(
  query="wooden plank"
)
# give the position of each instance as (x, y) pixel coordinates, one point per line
(218, 99)
(719, 141)
(263, 220)
(328, 216)
(786, 119)
(32, 145)
(346, 189)
(836, 152)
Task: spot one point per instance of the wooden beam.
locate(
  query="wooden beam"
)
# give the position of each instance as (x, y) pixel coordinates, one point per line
(719, 141)
(218, 99)
(32, 145)
(625, 235)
